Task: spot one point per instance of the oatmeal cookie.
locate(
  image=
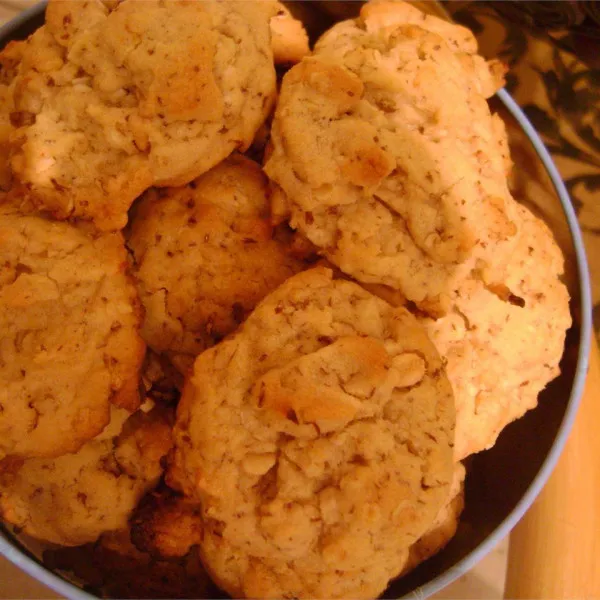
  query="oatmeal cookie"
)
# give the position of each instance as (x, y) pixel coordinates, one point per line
(166, 525)
(388, 158)
(205, 254)
(10, 58)
(289, 39)
(121, 96)
(70, 347)
(503, 342)
(318, 439)
(73, 499)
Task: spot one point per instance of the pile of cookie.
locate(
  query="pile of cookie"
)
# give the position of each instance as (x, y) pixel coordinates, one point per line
(257, 301)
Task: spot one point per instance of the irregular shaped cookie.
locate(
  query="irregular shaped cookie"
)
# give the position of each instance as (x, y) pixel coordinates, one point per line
(388, 158)
(444, 527)
(166, 525)
(70, 347)
(289, 40)
(73, 499)
(503, 342)
(114, 568)
(204, 256)
(120, 97)
(318, 439)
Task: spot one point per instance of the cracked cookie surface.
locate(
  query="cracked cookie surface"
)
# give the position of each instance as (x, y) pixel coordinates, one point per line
(73, 499)
(318, 439)
(503, 342)
(205, 255)
(70, 347)
(117, 97)
(388, 157)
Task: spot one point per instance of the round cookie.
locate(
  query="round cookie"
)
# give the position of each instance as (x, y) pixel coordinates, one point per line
(205, 255)
(120, 97)
(318, 439)
(503, 342)
(388, 158)
(70, 347)
(73, 499)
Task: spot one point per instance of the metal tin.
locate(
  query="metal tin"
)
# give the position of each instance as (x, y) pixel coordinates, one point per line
(502, 482)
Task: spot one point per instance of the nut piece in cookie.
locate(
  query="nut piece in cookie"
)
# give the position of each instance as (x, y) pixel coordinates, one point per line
(205, 255)
(127, 95)
(318, 439)
(503, 342)
(69, 317)
(73, 499)
(388, 157)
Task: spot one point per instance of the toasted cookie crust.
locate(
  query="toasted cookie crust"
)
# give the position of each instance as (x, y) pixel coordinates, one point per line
(73, 499)
(205, 255)
(69, 317)
(318, 440)
(503, 342)
(118, 97)
(388, 157)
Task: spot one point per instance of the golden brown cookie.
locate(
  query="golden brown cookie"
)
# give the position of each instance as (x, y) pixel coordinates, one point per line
(10, 58)
(503, 342)
(388, 158)
(205, 254)
(318, 439)
(69, 317)
(117, 97)
(289, 40)
(73, 499)
(166, 525)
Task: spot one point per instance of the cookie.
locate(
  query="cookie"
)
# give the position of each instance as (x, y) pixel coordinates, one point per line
(10, 58)
(205, 255)
(503, 342)
(69, 317)
(318, 440)
(166, 525)
(388, 158)
(289, 40)
(119, 97)
(73, 499)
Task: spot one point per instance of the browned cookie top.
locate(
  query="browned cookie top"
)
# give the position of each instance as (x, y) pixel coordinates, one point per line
(318, 439)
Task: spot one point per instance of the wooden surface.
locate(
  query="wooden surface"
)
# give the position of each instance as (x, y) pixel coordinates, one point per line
(554, 552)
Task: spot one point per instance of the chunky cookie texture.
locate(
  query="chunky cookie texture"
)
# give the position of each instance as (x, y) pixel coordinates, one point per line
(73, 499)
(116, 97)
(205, 255)
(10, 58)
(503, 341)
(318, 440)
(70, 347)
(388, 158)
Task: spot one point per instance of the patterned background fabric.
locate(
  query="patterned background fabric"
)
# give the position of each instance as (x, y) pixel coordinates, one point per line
(555, 77)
